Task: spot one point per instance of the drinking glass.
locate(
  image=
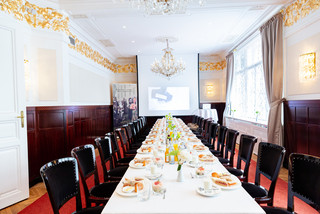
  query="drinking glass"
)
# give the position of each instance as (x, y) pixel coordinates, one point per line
(144, 194)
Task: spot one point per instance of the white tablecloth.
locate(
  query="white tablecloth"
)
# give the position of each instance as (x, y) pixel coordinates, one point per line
(208, 113)
(181, 197)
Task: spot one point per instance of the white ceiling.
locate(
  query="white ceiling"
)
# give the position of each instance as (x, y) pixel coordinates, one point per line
(212, 29)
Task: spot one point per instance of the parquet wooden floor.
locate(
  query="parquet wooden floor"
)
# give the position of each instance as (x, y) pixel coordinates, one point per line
(35, 192)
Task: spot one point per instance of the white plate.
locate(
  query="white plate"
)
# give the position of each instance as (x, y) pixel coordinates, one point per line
(146, 142)
(208, 193)
(206, 149)
(238, 185)
(131, 194)
(192, 165)
(133, 165)
(153, 176)
(120, 192)
(140, 152)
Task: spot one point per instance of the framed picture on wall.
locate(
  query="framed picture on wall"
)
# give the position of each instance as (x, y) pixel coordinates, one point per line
(125, 107)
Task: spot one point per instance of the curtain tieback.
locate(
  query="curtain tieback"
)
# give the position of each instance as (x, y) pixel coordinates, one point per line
(277, 102)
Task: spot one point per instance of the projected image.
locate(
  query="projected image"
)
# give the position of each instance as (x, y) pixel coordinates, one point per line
(168, 98)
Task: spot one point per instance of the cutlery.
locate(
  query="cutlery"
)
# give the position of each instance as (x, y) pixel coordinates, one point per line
(164, 193)
(191, 175)
(209, 190)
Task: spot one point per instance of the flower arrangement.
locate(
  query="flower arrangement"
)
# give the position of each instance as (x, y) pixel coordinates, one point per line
(183, 156)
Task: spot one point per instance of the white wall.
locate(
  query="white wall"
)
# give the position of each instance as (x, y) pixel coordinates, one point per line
(58, 75)
(303, 37)
(217, 79)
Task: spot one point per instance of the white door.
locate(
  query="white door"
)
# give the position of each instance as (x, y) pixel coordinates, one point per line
(14, 185)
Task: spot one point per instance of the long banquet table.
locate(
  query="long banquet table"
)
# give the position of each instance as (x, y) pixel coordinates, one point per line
(182, 197)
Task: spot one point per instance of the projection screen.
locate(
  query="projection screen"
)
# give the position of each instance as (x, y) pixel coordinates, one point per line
(159, 96)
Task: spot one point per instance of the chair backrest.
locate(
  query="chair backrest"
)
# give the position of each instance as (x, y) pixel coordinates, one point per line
(206, 128)
(133, 130)
(129, 133)
(221, 138)
(61, 179)
(123, 138)
(86, 159)
(200, 121)
(140, 123)
(247, 143)
(105, 151)
(269, 162)
(213, 133)
(136, 126)
(116, 153)
(304, 180)
(194, 119)
(231, 139)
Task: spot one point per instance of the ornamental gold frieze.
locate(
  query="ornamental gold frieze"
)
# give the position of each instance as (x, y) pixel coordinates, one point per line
(36, 16)
(298, 10)
(128, 68)
(212, 66)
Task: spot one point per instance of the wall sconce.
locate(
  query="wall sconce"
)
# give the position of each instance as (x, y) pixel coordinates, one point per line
(209, 90)
(307, 66)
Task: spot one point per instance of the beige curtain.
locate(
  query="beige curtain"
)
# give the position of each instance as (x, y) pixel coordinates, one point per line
(229, 78)
(272, 57)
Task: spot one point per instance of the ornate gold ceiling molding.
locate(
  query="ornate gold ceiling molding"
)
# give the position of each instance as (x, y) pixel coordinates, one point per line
(212, 66)
(49, 18)
(36, 16)
(298, 10)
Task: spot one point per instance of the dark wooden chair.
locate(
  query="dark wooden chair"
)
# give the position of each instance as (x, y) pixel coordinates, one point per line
(230, 147)
(121, 133)
(304, 183)
(200, 124)
(205, 130)
(130, 138)
(247, 143)
(270, 159)
(220, 142)
(118, 158)
(61, 179)
(100, 192)
(213, 128)
(105, 151)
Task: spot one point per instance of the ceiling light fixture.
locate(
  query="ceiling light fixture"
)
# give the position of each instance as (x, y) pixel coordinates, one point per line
(124, 27)
(163, 7)
(168, 67)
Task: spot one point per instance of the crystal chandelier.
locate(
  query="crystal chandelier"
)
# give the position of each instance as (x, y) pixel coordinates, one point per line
(163, 7)
(168, 67)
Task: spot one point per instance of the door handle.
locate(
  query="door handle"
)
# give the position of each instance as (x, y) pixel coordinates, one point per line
(22, 118)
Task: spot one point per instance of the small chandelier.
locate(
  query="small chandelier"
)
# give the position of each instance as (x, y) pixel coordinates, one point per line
(163, 7)
(168, 67)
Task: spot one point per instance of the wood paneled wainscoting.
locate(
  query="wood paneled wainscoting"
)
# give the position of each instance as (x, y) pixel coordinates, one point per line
(53, 131)
(302, 127)
(219, 107)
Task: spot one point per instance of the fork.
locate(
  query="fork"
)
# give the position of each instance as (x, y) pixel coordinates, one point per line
(164, 193)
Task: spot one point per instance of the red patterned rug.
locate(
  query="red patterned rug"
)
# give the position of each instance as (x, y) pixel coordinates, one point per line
(42, 205)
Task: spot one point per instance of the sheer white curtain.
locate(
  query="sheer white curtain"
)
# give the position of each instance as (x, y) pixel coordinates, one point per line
(248, 95)
(229, 78)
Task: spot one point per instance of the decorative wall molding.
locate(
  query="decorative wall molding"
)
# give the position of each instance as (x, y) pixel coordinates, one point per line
(298, 10)
(36, 16)
(212, 66)
(49, 18)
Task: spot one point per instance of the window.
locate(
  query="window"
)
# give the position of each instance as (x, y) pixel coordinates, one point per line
(248, 93)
